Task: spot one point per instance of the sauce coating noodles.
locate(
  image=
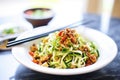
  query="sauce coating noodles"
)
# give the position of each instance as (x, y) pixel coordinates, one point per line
(64, 49)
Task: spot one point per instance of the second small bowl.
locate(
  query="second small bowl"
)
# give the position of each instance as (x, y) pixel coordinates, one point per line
(39, 16)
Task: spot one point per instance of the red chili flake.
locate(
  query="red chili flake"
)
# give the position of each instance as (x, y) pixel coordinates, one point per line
(35, 61)
(31, 53)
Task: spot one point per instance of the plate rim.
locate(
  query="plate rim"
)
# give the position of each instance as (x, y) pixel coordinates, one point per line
(24, 24)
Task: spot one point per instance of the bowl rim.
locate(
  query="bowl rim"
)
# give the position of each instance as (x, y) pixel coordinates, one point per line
(40, 8)
(98, 65)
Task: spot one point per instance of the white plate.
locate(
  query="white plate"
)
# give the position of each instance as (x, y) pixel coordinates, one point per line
(19, 27)
(107, 49)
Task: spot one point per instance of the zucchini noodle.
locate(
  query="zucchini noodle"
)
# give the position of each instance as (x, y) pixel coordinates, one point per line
(64, 49)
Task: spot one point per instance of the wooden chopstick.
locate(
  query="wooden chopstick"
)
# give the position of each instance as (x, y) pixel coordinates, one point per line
(73, 25)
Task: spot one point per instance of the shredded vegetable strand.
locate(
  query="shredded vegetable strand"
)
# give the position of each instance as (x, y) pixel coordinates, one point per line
(65, 49)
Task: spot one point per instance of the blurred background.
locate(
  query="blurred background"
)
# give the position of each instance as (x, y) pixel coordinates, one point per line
(91, 6)
(104, 14)
(67, 11)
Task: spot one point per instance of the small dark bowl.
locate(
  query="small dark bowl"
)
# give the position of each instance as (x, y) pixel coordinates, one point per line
(41, 19)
